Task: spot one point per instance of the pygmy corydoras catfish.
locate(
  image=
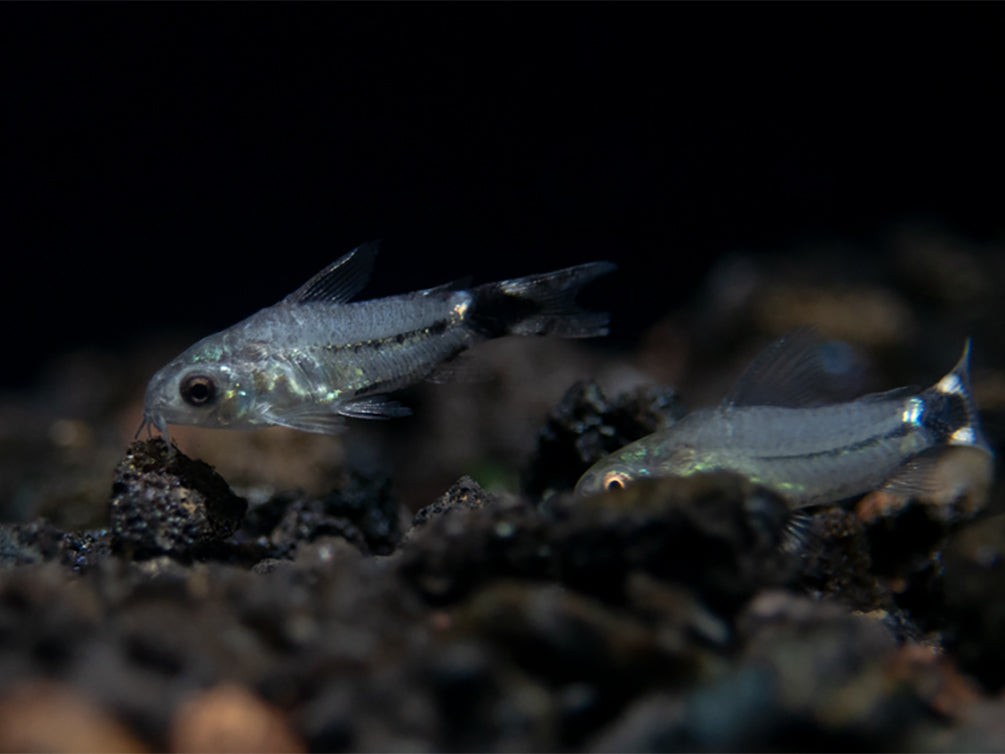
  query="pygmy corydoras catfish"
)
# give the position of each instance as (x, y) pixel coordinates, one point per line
(776, 429)
(314, 357)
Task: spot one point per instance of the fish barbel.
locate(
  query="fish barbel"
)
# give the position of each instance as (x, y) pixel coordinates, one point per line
(313, 357)
(773, 429)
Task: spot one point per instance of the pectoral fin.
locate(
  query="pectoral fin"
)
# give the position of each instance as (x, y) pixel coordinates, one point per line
(324, 423)
(374, 407)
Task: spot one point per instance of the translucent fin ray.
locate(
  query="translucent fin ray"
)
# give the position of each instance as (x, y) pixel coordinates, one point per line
(542, 304)
(374, 407)
(323, 423)
(340, 281)
(797, 535)
(943, 474)
(791, 372)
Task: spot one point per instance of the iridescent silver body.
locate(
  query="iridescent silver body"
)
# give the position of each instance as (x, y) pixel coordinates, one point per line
(314, 357)
(809, 454)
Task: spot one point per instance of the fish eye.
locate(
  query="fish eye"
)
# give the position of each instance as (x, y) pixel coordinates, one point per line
(615, 480)
(198, 389)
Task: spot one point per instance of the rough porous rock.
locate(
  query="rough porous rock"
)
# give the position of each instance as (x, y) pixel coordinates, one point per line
(464, 494)
(165, 503)
(585, 426)
(717, 532)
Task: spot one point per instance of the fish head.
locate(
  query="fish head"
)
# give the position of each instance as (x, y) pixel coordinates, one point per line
(616, 471)
(201, 387)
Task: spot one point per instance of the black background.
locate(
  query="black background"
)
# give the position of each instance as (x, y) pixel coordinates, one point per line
(173, 166)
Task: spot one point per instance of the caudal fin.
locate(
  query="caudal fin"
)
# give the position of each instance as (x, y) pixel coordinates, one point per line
(541, 304)
(959, 465)
(949, 410)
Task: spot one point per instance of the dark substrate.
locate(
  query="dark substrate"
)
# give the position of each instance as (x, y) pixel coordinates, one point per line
(669, 616)
(666, 616)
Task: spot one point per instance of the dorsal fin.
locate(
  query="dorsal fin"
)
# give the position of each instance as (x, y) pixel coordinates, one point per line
(339, 281)
(796, 371)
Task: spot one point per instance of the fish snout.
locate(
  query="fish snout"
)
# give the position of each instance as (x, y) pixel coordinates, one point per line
(588, 484)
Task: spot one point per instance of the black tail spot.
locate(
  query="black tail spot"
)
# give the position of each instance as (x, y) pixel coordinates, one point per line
(493, 311)
(945, 413)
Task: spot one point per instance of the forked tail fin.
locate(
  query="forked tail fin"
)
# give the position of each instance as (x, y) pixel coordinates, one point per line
(949, 410)
(541, 304)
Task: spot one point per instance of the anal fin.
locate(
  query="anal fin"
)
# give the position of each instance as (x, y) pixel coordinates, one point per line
(944, 476)
(463, 368)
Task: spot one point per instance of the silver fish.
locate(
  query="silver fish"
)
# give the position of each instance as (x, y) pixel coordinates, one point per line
(313, 358)
(773, 429)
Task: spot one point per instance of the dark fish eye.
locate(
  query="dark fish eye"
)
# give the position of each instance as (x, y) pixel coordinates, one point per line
(615, 480)
(198, 389)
